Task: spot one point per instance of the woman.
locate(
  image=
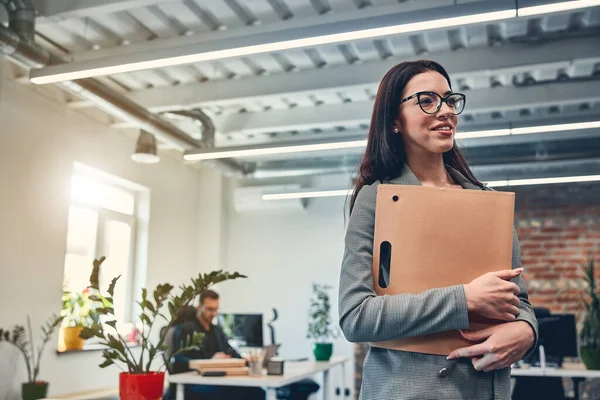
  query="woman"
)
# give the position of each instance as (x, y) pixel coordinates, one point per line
(411, 142)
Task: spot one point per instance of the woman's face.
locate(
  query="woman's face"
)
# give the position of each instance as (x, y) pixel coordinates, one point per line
(421, 132)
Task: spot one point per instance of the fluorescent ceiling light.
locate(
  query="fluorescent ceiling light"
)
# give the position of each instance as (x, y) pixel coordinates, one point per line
(544, 181)
(249, 152)
(556, 7)
(149, 60)
(504, 183)
(62, 73)
(304, 195)
(231, 152)
(478, 134)
(555, 128)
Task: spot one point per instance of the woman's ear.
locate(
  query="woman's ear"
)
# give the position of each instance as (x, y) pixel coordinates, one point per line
(397, 126)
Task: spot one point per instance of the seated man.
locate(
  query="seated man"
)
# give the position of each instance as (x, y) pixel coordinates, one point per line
(215, 345)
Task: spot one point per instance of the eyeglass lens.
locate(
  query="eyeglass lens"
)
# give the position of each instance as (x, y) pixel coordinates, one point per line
(431, 102)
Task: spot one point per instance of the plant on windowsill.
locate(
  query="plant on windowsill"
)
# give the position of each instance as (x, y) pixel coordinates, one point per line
(79, 311)
(589, 338)
(319, 323)
(138, 380)
(32, 389)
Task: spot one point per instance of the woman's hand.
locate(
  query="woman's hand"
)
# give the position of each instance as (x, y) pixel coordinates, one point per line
(504, 345)
(493, 296)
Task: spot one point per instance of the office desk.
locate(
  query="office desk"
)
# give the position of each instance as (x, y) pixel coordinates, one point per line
(293, 372)
(576, 374)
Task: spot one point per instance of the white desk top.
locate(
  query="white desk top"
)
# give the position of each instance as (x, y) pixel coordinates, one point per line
(292, 372)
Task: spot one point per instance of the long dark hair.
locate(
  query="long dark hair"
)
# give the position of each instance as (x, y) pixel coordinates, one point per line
(385, 156)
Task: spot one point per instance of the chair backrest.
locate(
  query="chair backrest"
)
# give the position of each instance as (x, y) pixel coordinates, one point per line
(169, 342)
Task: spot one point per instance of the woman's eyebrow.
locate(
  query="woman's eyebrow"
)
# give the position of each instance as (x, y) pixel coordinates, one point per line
(448, 92)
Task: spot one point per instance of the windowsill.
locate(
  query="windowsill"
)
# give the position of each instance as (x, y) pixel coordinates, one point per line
(95, 347)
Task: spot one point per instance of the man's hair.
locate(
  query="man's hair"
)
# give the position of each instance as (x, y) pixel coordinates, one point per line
(208, 294)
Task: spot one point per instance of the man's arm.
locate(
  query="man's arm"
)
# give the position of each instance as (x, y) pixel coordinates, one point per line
(224, 345)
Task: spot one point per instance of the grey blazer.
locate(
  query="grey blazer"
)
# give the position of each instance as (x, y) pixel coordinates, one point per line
(365, 317)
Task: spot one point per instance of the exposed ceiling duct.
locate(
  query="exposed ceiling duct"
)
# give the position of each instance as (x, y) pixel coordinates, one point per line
(17, 42)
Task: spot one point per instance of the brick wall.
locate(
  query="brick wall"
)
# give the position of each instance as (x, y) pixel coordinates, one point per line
(559, 229)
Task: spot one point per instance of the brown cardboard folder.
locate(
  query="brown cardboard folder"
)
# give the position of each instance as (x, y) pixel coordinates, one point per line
(427, 237)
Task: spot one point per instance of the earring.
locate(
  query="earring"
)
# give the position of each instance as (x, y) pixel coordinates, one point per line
(395, 129)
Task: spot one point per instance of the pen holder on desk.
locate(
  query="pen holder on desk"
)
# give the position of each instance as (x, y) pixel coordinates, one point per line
(256, 358)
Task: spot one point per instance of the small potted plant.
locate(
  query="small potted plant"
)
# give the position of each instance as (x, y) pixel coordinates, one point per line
(139, 379)
(589, 338)
(79, 311)
(319, 323)
(32, 389)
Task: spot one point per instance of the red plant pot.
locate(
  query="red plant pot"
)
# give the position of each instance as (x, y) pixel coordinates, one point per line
(141, 386)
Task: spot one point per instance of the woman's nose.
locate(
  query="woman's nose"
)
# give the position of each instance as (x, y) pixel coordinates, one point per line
(445, 110)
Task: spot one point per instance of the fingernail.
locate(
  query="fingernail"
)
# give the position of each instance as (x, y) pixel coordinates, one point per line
(450, 357)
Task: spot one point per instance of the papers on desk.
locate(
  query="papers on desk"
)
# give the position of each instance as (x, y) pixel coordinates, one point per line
(230, 366)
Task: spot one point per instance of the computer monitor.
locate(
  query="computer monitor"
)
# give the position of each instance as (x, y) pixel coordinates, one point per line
(558, 335)
(243, 330)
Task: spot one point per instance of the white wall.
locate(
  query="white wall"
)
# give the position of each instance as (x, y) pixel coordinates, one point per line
(39, 141)
(283, 252)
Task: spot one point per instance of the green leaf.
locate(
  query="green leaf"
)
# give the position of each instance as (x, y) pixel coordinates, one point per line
(95, 276)
(87, 333)
(145, 319)
(106, 363)
(112, 323)
(111, 287)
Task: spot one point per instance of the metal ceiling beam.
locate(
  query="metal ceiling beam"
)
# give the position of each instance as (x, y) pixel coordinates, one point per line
(345, 114)
(52, 11)
(508, 59)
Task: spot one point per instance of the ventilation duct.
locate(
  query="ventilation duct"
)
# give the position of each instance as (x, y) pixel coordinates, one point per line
(17, 42)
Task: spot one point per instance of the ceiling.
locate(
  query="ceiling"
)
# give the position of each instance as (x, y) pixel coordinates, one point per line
(515, 72)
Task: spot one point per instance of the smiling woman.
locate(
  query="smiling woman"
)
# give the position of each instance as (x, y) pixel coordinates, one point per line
(411, 142)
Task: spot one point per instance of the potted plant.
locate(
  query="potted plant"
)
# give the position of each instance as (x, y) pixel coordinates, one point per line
(32, 389)
(319, 323)
(589, 338)
(79, 311)
(139, 379)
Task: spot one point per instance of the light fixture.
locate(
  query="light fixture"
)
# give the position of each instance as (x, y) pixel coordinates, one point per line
(261, 150)
(504, 183)
(307, 194)
(250, 151)
(205, 52)
(145, 149)
(210, 51)
(556, 7)
(478, 134)
(544, 181)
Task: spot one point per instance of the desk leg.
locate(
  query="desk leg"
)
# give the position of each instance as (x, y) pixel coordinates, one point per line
(344, 380)
(180, 393)
(271, 394)
(326, 384)
(576, 382)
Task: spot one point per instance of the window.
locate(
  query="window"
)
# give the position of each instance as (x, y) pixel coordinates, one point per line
(107, 217)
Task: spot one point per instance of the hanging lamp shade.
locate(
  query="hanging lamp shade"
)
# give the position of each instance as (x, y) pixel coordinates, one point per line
(145, 149)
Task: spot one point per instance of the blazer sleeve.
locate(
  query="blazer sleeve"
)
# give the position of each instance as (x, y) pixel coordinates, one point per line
(366, 317)
(526, 312)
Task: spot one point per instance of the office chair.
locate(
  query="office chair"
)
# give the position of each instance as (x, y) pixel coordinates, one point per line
(298, 391)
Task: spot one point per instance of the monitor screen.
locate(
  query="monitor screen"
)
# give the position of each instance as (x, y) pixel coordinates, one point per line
(558, 334)
(242, 329)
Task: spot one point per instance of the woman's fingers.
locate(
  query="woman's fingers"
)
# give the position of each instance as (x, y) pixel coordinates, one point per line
(513, 310)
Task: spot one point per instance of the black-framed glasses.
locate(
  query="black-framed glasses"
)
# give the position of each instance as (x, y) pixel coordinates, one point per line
(431, 102)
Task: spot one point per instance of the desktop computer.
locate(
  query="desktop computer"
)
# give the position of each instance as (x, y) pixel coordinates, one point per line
(243, 330)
